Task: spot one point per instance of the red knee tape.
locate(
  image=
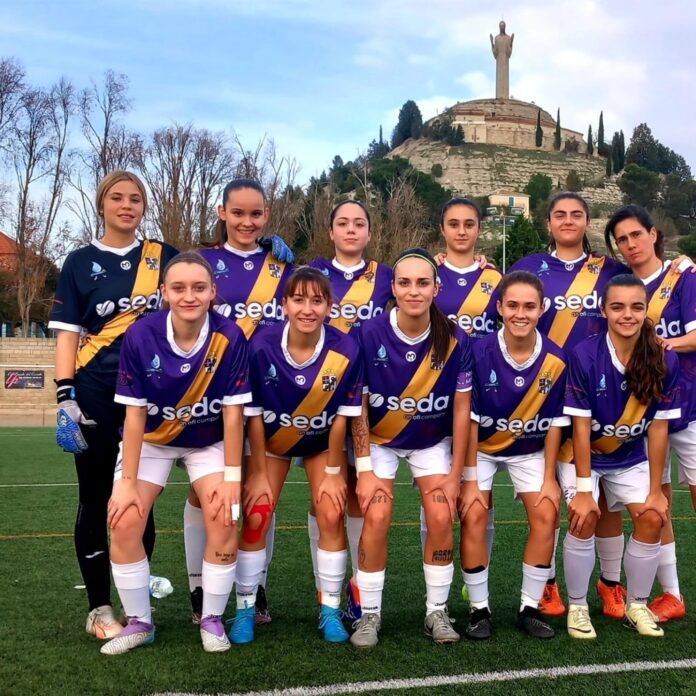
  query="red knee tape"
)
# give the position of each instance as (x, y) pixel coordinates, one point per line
(251, 536)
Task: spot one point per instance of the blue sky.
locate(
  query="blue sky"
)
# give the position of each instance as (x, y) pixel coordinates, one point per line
(320, 77)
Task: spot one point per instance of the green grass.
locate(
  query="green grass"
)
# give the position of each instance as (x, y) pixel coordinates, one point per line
(44, 647)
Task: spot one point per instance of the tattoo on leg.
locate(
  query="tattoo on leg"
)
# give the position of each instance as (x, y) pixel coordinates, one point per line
(379, 498)
(225, 556)
(442, 556)
(439, 498)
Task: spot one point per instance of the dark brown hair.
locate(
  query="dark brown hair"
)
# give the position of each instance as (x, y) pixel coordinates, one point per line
(441, 328)
(191, 257)
(520, 278)
(220, 236)
(642, 217)
(647, 369)
(572, 196)
(340, 204)
(459, 201)
(303, 278)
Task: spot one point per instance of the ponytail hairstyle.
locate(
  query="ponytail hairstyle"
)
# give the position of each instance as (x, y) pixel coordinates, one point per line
(520, 278)
(305, 277)
(441, 328)
(570, 195)
(647, 369)
(351, 201)
(220, 235)
(642, 217)
(459, 201)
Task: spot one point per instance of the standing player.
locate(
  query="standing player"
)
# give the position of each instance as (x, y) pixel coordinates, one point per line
(361, 291)
(622, 386)
(517, 420)
(672, 309)
(103, 288)
(249, 280)
(418, 372)
(183, 378)
(306, 381)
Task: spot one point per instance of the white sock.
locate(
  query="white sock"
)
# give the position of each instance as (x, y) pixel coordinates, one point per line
(533, 583)
(578, 564)
(490, 533)
(250, 566)
(270, 542)
(640, 564)
(552, 569)
(423, 531)
(217, 586)
(477, 585)
(667, 569)
(331, 568)
(194, 543)
(610, 551)
(371, 586)
(438, 580)
(313, 530)
(132, 581)
(354, 526)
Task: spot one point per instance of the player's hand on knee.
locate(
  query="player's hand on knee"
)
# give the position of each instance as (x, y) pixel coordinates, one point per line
(449, 486)
(334, 486)
(550, 490)
(469, 495)
(124, 494)
(224, 499)
(256, 487)
(579, 510)
(658, 503)
(368, 487)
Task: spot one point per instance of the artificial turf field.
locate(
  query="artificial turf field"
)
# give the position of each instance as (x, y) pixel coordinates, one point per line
(45, 650)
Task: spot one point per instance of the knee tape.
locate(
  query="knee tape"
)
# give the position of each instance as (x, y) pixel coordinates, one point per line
(252, 534)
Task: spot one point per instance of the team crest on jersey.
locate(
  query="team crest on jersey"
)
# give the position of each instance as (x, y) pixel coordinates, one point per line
(126, 265)
(487, 288)
(434, 363)
(382, 358)
(665, 293)
(249, 265)
(210, 364)
(410, 356)
(300, 379)
(602, 387)
(594, 268)
(272, 375)
(545, 383)
(155, 366)
(329, 380)
(461, 282)
(275, 270)
(369, 276)
(519, 381)
(97, 271)
(492, 383)
(220, 268)
(152, 263)
(325, 271)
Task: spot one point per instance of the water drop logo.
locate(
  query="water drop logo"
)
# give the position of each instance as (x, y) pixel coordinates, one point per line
(97, 271)
(492, 381)
(602, 388)
(272, 375)
(155, 366)
(382, 358)
(544, 268)
(220, 267)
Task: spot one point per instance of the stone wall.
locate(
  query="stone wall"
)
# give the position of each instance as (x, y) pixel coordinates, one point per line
(24, 407)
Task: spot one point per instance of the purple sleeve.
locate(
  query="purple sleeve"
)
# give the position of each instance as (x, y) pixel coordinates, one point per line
(466, 365)
(577, 395)
(669, 406)
(687, 304)
(351, 398)
(238, 389)
(130, 386)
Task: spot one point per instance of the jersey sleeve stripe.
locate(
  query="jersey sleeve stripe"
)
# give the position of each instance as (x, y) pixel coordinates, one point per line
(237, 399)
(670, 414)
(350, 411)
(572, 411)
(62, 326)
(560, 422)
(129, 400)
(253, 410)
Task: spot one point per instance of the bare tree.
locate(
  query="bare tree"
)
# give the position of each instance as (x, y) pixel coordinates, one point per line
(11, 88)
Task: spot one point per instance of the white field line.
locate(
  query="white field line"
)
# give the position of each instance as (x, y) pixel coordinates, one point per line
(185, 483)
(466, 679)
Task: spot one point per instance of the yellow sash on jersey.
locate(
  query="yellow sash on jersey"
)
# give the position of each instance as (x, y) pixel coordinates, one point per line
(633, 413)
(312, 405)
(359, 294)
(583, 284)
(531, 404)
(146, 283)
(420, 386)
(264, 290)
(477, 300)
(566, 454)
(662, 295)
(169, 429)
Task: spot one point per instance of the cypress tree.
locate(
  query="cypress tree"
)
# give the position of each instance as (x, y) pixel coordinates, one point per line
(609, 168)
(539, 131)
(590, 146)
(600, 135)
(557, 134)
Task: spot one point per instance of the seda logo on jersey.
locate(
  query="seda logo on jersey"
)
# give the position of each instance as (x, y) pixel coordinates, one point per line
(479, 324)
(412, 407)
(622, 432)
(123, 304)
(669, 329)
(257, 311)
(577, 303)
(305, 424)
(536, 427)
(361, 312)
(188, 413)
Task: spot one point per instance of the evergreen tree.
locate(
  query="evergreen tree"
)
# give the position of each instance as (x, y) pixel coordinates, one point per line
(409, 125)
(622, 149)
(609, 166)
(601, 148)
(377, 148)
(539, 131)
(460, 135)
(590, 146)
(639, 185)
(521, 240)
(557, 134)
(539, 188)
(573, 181)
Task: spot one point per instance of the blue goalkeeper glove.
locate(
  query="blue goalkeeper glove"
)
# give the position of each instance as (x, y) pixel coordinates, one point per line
(278, 248)
(70, 417)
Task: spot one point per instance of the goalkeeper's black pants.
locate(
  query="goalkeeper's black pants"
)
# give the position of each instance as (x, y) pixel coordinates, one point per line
(95, 476)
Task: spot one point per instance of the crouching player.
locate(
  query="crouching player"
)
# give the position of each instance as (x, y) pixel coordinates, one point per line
(621, 386)
(183, 378)
(306, 381)
(517, 420)
(418, 372)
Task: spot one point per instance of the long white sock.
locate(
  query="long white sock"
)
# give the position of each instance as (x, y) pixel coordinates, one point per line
(640, 564)
(270, 544)
(218, 581)
(533, 583)
(578, 564)
(331, 567)
(354, 526)
(610, 551)
(194, 543)
(490, 533)
(667, 574)
(250, 566)
(438, 580)
(132, 581)
(371, 586)
(423, 531)
(313, 530)
(477, 585)
(552, 569)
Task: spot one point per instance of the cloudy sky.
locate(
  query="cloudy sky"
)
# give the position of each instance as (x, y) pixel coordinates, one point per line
(320, 77)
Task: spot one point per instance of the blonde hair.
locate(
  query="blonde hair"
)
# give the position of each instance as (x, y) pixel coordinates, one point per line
(114, 178)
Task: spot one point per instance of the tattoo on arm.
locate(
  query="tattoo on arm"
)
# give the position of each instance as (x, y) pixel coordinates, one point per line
(360, 430)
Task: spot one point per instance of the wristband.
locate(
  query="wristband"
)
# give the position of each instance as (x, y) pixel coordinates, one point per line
(65, 390)
(583, 484)
(363, 464)
(232, 474)
(332, 470)
(469, 473)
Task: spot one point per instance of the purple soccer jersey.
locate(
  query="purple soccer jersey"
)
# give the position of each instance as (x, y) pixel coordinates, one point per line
(516, 405)
(597, 389)
(249, 286)
(184, 391)
(466, 296)
(572, 294)
(672, 308)
(299, 403)
(360, 293)
(411, 397)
